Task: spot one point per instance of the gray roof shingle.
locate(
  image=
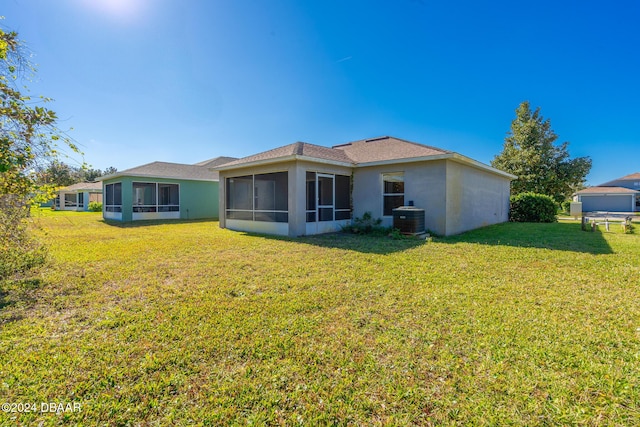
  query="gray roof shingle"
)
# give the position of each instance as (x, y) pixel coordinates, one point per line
(84, 186)
(168, 170)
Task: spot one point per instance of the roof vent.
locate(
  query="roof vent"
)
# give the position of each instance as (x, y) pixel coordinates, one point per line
(376, 139)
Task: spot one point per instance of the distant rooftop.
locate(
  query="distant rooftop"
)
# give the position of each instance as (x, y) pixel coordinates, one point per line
(631, 177)
(84, 186)
(168, 170)
(607, 190)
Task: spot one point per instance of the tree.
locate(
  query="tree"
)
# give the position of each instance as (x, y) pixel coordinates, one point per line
(92, 174)
(110, 170)
(541, 166)
(28, 137)
(28, 132)
(59, 174)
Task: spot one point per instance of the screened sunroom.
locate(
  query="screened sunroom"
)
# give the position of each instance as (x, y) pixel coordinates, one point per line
(313, 201)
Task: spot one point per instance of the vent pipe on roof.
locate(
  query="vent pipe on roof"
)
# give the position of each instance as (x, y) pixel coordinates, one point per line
(376, 139)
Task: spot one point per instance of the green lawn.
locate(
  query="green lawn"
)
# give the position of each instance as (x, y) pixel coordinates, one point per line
(183, 323)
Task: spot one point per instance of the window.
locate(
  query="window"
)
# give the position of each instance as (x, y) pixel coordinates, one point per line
(325, 197)
(168, 197)
(261, 197)
(240, 197)
(156, 197)
(113, 197)
(393, 192)
(144, 197)
(343, 197)
(311, 197)
(328, 197)
(70, 200)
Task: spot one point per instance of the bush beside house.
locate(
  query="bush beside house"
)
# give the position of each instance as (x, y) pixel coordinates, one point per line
(532, 207)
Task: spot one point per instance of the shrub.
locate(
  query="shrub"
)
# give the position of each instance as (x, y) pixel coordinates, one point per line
(18, 251)
(566, 206)
(95, 207)
(532, 207)
(366, 225)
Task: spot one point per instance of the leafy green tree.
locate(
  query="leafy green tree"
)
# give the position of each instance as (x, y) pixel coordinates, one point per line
(59, 174)
(28, 132)
(542, 166)
(28, 137)
(93, 174)
(110, 170)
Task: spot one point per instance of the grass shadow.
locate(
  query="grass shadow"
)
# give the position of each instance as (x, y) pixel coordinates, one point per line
(17, 292)
(559, 236)
(154, 222)
(352, 242)
(556, 236)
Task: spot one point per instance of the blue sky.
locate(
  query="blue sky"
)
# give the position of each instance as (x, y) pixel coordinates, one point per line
(188, 80)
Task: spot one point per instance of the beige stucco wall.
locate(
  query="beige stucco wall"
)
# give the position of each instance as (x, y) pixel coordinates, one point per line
(424, 184)
(456, 197)
(475, 198)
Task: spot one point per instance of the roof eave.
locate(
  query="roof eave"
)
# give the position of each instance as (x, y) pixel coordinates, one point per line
(606, 193)
(252, 163)
(405, 160)
(283, 159)
(140, 175)
(445, 156)
(325, 161)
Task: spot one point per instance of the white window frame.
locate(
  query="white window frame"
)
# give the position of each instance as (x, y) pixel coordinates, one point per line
(384, 194)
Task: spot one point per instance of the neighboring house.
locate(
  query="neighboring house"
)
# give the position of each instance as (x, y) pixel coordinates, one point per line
(619, 195)
(162, 190)
(77, 197)
(304, 189)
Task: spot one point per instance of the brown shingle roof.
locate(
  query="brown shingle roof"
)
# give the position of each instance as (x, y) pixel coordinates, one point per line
(216, 161)
(607, 190)
(363, 151)
(296, 149)
(631, 176)
(387, 148)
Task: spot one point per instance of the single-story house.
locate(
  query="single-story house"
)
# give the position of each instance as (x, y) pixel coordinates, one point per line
(77, 197)
(162, 190)
(304, 189)
(619, 195)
